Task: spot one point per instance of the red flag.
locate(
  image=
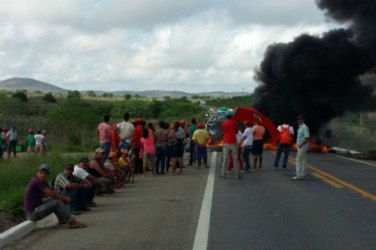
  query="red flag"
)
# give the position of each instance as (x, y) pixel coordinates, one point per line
(251, 114)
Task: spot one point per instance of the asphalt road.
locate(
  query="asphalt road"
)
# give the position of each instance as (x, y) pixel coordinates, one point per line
(334, 208)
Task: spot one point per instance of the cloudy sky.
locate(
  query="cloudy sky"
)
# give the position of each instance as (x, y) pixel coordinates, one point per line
(185, 45)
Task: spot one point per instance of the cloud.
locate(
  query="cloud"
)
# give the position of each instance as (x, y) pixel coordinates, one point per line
(122, 45)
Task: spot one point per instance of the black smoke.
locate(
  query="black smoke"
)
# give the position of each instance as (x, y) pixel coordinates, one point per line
(322, 77)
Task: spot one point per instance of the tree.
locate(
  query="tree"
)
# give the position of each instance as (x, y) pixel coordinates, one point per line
(48, 97)
(20, 95)
(73, 94)
(91, 93)
(127, 96)
(109, 95)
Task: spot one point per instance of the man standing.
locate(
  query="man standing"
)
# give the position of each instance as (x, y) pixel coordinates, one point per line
(229, 129)
(37, 207)
(258, 144)
(200, 138)
(286, 134)
(302, 144)
(247, 142)
(104, 133)
(2, 144)
(13, 139)
(125, 131)
(191, 130)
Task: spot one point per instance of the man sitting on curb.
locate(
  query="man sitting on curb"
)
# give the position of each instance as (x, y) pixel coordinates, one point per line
(37, 208)
(81, 171)
(73, 187)
(103, 176)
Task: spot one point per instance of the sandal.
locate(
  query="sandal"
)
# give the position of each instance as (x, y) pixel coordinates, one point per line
(77, 224)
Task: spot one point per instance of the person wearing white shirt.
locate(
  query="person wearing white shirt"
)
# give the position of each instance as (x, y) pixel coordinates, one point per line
(247, 140)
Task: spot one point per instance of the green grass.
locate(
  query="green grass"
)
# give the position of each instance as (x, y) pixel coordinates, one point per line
(16, 174)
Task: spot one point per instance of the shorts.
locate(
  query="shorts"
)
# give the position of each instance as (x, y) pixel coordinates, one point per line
(258, 147)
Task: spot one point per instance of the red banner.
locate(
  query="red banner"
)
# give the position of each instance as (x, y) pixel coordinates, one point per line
(251, 114)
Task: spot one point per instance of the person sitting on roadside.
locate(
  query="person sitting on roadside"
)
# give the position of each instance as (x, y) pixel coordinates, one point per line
(124, 161)
(37, 208)
(103, 176)
(201, 137)
(73, 187)
(111, 164)
(81, 171)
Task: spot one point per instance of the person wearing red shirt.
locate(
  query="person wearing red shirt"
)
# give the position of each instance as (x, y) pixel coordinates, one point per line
(136, 144)
(229, 129)
(104, 133)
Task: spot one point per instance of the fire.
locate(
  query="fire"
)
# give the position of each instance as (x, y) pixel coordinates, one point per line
(269, 145)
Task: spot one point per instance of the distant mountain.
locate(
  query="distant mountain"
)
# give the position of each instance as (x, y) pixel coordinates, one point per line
(176, 94)
(29, 84)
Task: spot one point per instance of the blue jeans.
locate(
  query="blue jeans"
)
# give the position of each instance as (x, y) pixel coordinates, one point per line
(192, 153)
(160, 159)
(106, 148)
(246, 153)
(125, 144)
(51, 206)
(168, 158)
(286, 150)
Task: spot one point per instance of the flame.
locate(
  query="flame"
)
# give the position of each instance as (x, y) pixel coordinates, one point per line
(269, 145)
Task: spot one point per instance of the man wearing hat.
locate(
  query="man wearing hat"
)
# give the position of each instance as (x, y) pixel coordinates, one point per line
(75, 188)
(103, 177)
(229, 129)
(37, 207)
(81, 171)
(302, 144)
(200, 138)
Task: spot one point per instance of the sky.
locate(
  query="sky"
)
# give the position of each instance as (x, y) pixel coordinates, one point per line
(184, 45)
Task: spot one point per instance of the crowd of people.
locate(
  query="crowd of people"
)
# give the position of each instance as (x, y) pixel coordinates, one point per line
(137, 146)
(36, 142)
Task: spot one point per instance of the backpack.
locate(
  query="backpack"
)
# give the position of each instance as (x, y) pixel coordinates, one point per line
(285, 137)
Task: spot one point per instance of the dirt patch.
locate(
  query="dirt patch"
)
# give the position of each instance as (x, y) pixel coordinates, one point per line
(6, 222)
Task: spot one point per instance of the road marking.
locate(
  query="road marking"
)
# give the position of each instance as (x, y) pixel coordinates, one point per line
(364, 162)
(202, 231)
(327, 180)
(361, 191)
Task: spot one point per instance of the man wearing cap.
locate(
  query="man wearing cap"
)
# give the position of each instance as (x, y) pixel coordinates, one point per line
(104, 133)
(302, 144)
(125, 130)
(247, 142)
(37, 207)
(103, 176)
(229, 129)
(73, 187)
(200, 137)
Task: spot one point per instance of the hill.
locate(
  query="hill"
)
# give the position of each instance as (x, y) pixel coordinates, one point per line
(29, 84)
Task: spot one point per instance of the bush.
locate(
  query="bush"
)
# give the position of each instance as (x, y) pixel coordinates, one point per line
(48, 97)
(20, 95)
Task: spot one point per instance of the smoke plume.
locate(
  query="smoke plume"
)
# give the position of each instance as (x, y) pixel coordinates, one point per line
(322, 77)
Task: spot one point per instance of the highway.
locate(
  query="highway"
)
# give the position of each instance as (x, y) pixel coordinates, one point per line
(333, 208)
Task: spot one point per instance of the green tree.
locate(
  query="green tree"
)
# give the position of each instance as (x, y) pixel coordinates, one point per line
(48, 97)
(20, 95)
(73, 94)
(127, 96)
(91, 93)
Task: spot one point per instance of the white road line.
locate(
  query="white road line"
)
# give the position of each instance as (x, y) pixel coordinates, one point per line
(202, 231)
(355, 160)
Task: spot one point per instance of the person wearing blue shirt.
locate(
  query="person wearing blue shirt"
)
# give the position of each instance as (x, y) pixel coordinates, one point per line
(302, 144)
